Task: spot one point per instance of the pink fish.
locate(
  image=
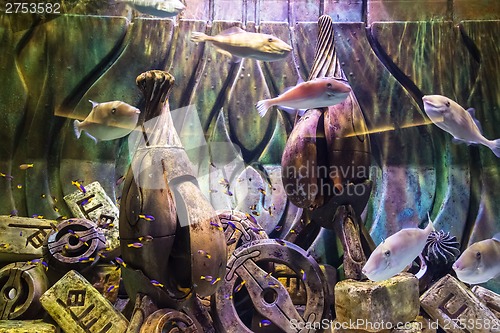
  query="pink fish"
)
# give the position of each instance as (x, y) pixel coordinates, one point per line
(317, 93)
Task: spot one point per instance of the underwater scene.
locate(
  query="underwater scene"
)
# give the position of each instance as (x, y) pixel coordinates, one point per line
(232, 166)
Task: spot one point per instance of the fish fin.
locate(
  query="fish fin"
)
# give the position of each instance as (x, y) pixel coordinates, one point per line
(235, 59)
(231, 31)
(495, 147)
(292, 111)
(457, 141)
(423, 267)
(199, 37)
(94, 104)
(301, 112)
(472, 113)
(92, 137)
(76, 128)
(497, 237)
(224, 52)
(263, 106)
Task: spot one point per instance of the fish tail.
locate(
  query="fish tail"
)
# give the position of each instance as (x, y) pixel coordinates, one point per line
(76, 127)
(495, 147)
(199, 37)
(263, 106)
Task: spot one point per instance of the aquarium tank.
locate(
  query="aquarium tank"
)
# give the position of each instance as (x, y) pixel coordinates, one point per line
(232, 166)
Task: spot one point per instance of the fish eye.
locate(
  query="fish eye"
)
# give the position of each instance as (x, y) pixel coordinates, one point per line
(328, 85)
(270, 40)
(447, 104)
(113, 110)
(387, 253)
(478, 255)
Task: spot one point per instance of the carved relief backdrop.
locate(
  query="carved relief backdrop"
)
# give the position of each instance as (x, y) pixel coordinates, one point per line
(392, 53)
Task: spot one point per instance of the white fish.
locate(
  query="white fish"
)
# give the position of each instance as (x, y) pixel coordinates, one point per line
(236, 42)
(396, 252)
(316, 93)
(108, 121)
(480, 262)
(451, 117)
(159, 8)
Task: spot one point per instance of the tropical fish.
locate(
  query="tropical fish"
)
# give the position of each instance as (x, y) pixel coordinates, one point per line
(156, 283)
(159, 8)
(238, 43)
(480, 262)
(79, 186)
(454, 119)
(396, 252)
(25, 166)
(264, 322)
(149, 218)
(313, 94)
(108, 121)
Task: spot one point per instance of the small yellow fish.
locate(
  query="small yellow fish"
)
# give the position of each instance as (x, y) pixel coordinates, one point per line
(238, 287)
(156, 283)
(135, 245)
(214, 224)
(149, 218)
(108, 121)
(25, 166)
(8, 177)
(79, 186)
(146, 238)
(224, 182)
(205, 253)
(238, 43)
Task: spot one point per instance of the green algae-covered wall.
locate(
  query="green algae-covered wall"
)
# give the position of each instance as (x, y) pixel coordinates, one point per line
(392, 53)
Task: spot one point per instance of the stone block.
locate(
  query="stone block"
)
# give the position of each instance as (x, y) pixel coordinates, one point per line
(26, 326)
(490, 298)
(373, 306)
(21, 238)
(79, 308)
(97, 206)
(456, 309)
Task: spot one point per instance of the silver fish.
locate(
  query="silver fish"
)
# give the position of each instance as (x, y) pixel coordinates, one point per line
(451, 117)
(316, 93)
(159, 8)
(236, 42)
(480, 262)
(396, 252)
(108, 121)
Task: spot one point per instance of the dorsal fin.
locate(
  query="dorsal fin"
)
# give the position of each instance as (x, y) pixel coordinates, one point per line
(231, 31)
(497, 237)
(94, 104)
(472, 113)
